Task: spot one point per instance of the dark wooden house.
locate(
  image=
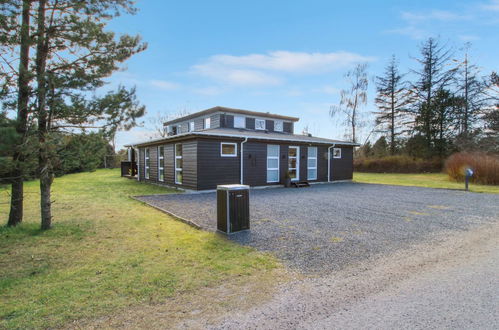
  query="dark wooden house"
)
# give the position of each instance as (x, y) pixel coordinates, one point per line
(225, 146)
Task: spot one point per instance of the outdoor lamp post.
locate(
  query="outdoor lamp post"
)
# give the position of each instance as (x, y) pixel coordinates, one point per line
(468, 173)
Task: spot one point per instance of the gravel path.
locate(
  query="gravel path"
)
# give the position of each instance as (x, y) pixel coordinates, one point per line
(450, 284)
(328, 227)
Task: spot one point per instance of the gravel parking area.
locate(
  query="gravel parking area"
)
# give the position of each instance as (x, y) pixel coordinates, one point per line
(326, 227)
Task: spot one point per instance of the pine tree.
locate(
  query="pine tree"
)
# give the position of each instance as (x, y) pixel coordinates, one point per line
(392, 100)
(73, 54)
(434, 76)
(15, 44)
(491, 117)
(472, 91)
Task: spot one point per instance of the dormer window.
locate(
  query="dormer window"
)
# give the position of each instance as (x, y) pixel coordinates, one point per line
(191, 126)
(207, 122)
(260, 124)
(239, 122)
(278, 126)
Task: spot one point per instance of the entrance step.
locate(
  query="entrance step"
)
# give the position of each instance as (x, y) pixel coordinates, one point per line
(300, 184)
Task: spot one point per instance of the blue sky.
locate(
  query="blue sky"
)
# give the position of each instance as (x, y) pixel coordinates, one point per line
(286, 57)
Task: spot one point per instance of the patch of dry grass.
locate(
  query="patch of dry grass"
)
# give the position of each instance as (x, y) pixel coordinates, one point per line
(429, 180)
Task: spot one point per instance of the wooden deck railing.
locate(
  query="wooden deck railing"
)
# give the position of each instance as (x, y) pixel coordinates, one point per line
(128, 168)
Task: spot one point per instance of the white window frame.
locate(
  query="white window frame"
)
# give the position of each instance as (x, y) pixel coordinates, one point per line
(207, 122)
(191, 126)
(228, 155)
(275, 126)
(334, 153)
(264, 124)
(179, 169)
(138, 165)
(308, 160)
(161, 157)
(278, 163)
(242, 123)
(147, 159)
(297, 178)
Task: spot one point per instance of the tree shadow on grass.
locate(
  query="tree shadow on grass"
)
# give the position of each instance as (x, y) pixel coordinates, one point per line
(25, 230)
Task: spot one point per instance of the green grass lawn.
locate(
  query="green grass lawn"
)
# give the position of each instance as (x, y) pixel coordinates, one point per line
(430, 180)
(106, 252)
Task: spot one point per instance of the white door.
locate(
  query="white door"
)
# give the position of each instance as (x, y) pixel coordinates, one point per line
(294, 163)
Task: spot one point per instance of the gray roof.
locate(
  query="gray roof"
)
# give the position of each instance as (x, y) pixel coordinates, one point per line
(230, 110)
(251, 135)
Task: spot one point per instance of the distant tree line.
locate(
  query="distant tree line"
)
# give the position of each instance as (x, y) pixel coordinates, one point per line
(54, 57)
(442, 106)
(72, 152)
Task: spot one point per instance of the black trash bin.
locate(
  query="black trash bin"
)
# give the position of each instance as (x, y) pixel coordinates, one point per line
(232, 208)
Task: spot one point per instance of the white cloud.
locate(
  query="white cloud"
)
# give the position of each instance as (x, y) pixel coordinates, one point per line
(492, 5)
(410, 31)
(328, 90)
(468, 37)
(209, 91)
(164, 85)
(433, 15)
(294, 62)
(266, 69)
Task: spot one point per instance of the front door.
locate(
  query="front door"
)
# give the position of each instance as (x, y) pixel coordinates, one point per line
(294, 163)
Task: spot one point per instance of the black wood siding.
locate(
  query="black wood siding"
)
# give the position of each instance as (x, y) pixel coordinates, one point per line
(342, 168)
(190, 168)
(213, 169)
(205, 168)
(169, 164)
(189, 164)
(255, 163)
(322, 163)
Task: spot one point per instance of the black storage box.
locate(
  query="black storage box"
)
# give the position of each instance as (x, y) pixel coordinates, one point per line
(232, 208)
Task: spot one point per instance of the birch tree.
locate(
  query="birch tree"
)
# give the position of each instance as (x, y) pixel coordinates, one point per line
(352, 100)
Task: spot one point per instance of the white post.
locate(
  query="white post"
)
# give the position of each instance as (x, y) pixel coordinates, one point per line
(242, 159)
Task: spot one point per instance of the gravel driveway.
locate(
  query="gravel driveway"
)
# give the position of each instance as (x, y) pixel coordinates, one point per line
(327, 227)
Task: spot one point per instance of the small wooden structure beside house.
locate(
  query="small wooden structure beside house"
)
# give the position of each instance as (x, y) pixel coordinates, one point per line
(226, 146)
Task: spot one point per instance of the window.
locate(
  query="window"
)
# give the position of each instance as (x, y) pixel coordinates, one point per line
(207, 122)
(191, 126)
(278, 126)
(336, 152)
(228, 149)
(239, 122)
(312, 163)
(260, 124)
(272, 163)
(161, 163)
(174, 130)
(147, 164)
(178, 164)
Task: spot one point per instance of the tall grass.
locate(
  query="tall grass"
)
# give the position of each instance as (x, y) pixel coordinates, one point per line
(484, 166)
(398, 164)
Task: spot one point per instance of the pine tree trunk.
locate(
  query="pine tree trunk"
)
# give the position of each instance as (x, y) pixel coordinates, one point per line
(45, 202)
(17, 195)
(44, 166)
(16, 201)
